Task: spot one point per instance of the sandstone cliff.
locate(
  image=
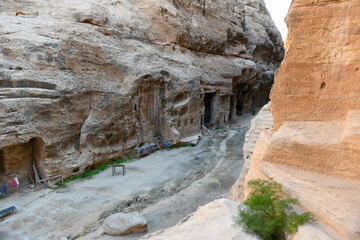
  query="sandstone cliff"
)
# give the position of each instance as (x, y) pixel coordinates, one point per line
(85, 82)
(314, 148)
(262, 122)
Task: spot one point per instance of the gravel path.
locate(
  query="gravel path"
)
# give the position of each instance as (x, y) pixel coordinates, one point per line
(164, 187)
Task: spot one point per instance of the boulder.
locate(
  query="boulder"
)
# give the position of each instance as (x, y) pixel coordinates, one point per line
(120, 224)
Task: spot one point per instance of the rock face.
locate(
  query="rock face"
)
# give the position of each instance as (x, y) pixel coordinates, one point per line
(85, 82)
(325, 57)
(212, 221)
(263, 121)
(314, 148)
(120, 224)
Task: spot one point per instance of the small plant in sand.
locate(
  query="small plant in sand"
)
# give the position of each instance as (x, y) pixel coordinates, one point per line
(268, 214)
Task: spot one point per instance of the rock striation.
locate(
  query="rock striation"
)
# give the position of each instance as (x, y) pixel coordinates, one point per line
(313, 149)
(318, 79)
(82, 83)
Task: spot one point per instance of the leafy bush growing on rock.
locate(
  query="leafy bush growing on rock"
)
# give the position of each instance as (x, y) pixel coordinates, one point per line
(268, 213)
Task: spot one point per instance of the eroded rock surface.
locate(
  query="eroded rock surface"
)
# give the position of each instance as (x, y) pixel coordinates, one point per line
(86, 82)
(318, 79)
(215, 220)
(262, 121)
(314, 148)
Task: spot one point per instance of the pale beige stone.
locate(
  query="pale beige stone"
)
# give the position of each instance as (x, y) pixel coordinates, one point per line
(120, 224)
(213, 221)
(314, 231)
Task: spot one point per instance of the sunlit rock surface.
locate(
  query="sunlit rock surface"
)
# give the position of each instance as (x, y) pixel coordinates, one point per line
(314, 148)
(215, 220)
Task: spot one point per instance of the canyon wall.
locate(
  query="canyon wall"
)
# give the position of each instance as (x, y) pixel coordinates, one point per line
(82, 83)
(262, 122)
(314, 148)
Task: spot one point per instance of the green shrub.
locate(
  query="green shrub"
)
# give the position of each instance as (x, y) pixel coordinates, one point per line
(266, 214)
(102, 167)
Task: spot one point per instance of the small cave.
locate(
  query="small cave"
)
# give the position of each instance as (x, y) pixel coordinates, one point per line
(18, 159)
(210, 108)
(2, 166)
(231, 106)
(240, 92)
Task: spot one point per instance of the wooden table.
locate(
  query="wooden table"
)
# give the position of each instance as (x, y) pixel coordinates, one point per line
(113, 168)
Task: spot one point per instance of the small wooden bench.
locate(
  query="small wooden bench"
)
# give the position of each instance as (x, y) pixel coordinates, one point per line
(113, 168)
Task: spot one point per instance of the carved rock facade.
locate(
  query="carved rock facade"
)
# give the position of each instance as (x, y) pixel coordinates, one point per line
(86, 82)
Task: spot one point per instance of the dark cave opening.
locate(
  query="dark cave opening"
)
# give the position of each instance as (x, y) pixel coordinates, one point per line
(2, 166)
(209, 100)
(240, 91)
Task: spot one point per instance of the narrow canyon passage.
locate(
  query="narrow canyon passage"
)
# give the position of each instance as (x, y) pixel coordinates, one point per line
(164, 187)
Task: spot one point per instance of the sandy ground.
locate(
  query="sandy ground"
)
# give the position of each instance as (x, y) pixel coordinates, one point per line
(164, 187)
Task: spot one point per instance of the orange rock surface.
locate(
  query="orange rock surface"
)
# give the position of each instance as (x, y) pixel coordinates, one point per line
(319, 77)
(314, 148)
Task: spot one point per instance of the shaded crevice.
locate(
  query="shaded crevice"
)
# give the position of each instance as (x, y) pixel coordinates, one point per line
(77, 142)
(25, 83)
(2, 167)
(38, 155)
(91, 22)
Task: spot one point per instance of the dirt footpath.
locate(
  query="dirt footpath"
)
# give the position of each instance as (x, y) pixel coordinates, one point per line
(164, 187)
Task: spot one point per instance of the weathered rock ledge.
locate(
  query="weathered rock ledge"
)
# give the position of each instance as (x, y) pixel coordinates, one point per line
(212, 221)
